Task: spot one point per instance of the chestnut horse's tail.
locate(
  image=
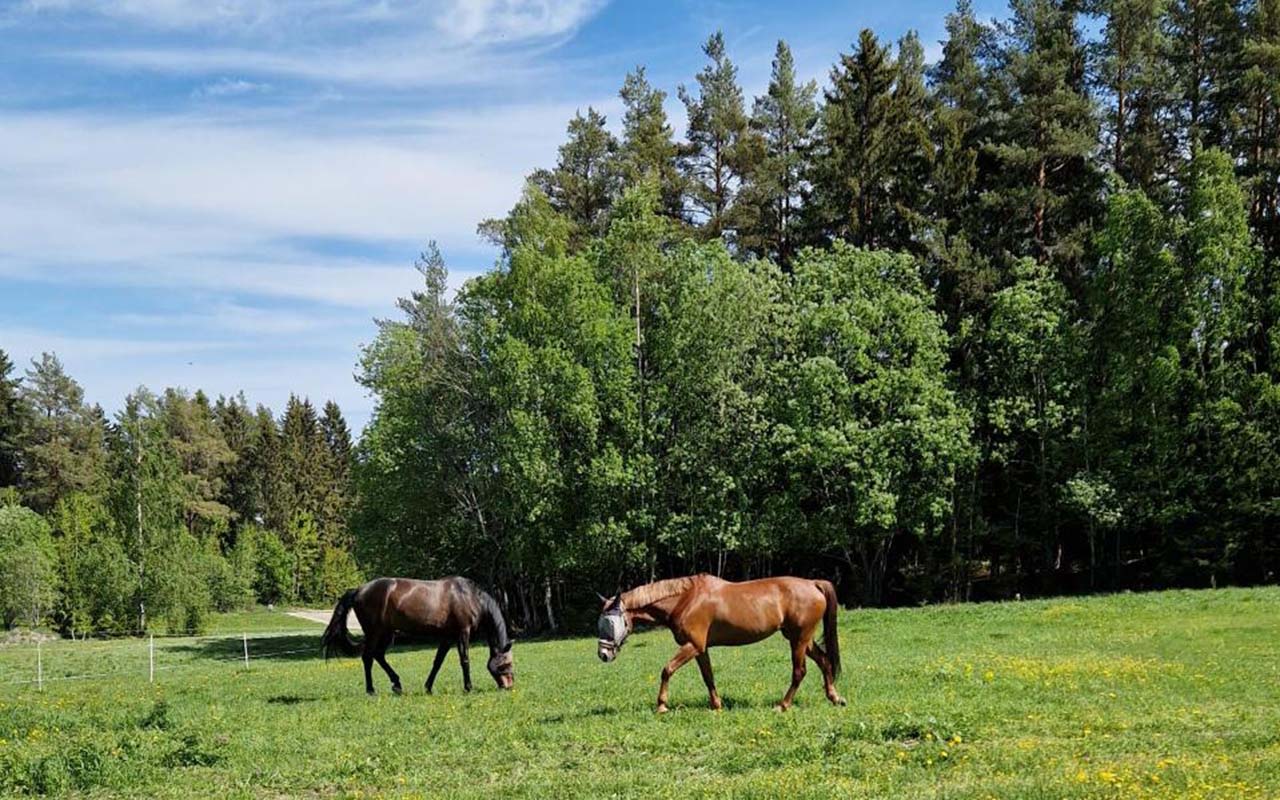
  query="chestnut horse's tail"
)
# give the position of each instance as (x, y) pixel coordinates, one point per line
(830, 634)
(337, 639)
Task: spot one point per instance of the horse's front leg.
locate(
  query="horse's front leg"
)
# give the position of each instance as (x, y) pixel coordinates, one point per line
(464, 645)
(704, 664)
(685, 654)
(367, 658)
(441, 652)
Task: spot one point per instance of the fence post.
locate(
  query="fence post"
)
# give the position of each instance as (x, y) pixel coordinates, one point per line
(39, 666)
(246, 649)
(151, 659)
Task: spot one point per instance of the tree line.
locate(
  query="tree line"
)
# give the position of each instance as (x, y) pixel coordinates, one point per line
(1004, 323)
(175, 506)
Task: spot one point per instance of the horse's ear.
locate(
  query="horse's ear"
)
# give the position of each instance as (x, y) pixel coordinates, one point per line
(603, 599)
(616, 602)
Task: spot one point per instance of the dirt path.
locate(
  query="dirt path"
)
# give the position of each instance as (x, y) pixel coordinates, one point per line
(322, 617)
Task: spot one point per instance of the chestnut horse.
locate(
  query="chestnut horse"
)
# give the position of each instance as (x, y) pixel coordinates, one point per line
(703, 611)
(450, 609)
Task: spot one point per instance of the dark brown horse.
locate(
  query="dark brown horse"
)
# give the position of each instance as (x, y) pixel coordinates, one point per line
(703, 611)
(451, 610)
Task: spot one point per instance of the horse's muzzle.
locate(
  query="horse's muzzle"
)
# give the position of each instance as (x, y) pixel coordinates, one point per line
(607, 651)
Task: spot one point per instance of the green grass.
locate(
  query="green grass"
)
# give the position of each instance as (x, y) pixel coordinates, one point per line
(1174, 694)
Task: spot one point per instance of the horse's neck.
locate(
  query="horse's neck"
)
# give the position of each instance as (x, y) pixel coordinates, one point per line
(654, 602)
(657, 612)
(495, 627)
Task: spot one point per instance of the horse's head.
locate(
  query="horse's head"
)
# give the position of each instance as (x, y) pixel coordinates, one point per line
(502, 667)
(612, 627)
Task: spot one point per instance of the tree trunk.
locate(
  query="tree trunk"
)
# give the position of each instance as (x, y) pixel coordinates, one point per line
(546, 599)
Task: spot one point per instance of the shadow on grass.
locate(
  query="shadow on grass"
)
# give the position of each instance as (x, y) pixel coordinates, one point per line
(284, 648)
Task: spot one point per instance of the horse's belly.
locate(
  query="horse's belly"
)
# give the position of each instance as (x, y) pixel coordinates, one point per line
(729, 635)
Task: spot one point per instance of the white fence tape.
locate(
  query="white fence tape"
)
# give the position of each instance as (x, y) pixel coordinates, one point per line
(243, 655)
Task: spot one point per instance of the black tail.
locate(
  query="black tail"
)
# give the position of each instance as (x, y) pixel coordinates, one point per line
(830, 631)
(336, 639)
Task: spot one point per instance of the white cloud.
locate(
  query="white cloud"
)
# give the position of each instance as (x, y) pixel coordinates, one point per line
(229, 87)
(462, 21)
(391, 43)
(494, 20)
(195, 202)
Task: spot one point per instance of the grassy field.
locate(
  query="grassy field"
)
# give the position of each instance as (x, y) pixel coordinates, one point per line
(1162, 695)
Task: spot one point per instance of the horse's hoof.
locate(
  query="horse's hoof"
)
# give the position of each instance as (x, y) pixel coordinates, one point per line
(839, 701)
(781, 708)
(717, 706)
(662, 708)
(397, 689)
(369, 692)
(428, 688)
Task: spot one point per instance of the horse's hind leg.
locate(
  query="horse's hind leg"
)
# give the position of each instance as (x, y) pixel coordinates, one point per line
(799, 647)
(441, 652)
(704, 664)
(819, 657)
(380, 654)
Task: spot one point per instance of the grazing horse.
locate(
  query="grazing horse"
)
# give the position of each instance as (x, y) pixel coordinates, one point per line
(704, 611)
(450, 609)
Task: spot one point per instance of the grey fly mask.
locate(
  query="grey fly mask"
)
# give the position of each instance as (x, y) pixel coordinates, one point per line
(612, 629)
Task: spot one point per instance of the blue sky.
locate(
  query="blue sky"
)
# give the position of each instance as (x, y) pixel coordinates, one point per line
(223, 194)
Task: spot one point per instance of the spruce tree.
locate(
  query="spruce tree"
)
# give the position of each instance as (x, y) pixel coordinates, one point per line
(338, 461)
(855, 150)
(13, 422)
(963, 277)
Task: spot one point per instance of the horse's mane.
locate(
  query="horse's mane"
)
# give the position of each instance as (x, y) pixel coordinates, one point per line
(497, 626)
(651, 593)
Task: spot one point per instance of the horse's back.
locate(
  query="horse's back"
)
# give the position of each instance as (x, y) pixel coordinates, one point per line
(746, 611)
(441, 606)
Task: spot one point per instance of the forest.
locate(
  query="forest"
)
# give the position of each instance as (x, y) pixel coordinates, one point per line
(1000, 325)
(175, 507)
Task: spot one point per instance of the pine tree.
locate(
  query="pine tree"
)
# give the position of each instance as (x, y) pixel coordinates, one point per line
(648, 150)
(1133, 71)
(1205, 54)
(1044, 149)
(63, 450)
(783, 119)
(203, 457)
(584, 182)
(1258, 137)
(716, 159)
